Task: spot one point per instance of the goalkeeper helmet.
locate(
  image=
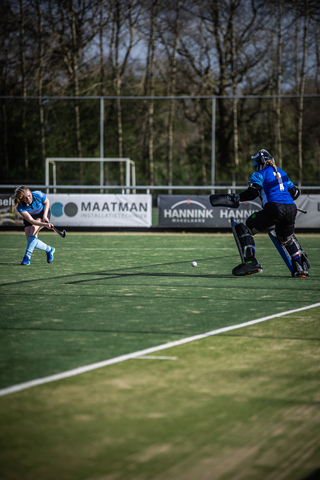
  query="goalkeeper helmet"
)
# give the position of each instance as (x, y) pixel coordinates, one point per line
(261, 157)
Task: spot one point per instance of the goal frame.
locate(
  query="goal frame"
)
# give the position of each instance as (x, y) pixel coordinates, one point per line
(130, 171)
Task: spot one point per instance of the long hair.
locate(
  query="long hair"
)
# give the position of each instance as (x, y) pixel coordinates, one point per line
(270, 163)
(19, 193)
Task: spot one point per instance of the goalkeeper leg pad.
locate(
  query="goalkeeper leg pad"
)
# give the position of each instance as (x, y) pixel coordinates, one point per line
(246, 241)
(246, 247)
(299, 259)
(304, 257)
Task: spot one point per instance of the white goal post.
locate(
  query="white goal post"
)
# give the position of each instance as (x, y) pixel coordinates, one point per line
(130, 171)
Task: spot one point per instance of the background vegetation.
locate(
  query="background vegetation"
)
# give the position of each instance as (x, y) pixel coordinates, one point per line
(158, 64)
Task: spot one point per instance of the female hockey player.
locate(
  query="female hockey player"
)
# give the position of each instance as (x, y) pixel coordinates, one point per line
(277, 194)
(34, 209)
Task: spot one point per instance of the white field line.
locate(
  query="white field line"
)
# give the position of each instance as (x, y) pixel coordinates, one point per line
(122, 358)
(155, 357)
(139, 249)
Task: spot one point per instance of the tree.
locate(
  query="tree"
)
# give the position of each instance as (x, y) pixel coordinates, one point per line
(152, 10)
(24, 80)
(227, 54)
(300, 79)
(169, 33)
(41, 79)
(5, 66)
(124, 18)
(191, 48)
(73, 24)
(277, 74)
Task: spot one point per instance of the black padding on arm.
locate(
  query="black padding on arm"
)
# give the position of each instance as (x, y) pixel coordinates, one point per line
(294, 192)
(223, 200)
(251, 193)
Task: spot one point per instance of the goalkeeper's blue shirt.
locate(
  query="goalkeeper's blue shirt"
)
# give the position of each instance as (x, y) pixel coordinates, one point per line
(273, 189)
(38, 198)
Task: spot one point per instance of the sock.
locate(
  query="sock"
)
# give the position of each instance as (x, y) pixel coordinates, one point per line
(31, 245)
(42, 246)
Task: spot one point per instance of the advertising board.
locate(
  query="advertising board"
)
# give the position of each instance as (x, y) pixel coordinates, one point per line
(181, 211)
(101, 210)
(174, 211)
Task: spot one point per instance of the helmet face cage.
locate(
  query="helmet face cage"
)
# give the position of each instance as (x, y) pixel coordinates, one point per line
(261, 157)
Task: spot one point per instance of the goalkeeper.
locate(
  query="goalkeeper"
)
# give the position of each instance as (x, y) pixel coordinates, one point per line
(277, 194)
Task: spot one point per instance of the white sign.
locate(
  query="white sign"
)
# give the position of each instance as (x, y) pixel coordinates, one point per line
(101, 210)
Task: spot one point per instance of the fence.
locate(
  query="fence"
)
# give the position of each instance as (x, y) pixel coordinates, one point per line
(208, 145)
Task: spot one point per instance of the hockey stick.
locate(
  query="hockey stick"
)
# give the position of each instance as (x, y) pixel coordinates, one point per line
(282, 250)
(302, 211)
(62, 234)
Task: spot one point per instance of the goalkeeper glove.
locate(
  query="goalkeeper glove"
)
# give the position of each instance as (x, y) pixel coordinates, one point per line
(235, 198)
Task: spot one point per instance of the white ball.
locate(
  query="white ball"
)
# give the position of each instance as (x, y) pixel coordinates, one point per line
(194, 264)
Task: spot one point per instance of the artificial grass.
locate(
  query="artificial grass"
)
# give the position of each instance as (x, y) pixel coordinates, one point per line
(224, 407)
(109, 295)
(240, 405)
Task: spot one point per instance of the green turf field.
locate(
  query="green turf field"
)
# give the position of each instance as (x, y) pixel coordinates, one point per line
(244, 404)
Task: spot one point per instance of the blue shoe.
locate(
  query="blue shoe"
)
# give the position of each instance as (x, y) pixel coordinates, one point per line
(50, 255)
(25, 261)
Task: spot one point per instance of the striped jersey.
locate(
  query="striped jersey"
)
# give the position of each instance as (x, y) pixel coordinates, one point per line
(36, 206)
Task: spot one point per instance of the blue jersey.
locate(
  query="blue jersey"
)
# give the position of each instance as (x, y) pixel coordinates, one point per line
(273, 189)
(36, 207)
